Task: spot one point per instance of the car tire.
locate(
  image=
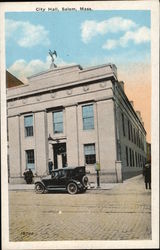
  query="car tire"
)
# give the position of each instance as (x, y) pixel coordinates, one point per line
(39, 188)
(85, 180)
(72, 188)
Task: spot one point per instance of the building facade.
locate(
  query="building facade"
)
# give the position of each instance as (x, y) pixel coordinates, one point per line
(74, 116)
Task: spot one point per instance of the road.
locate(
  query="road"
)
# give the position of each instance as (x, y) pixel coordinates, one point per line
(122, 213)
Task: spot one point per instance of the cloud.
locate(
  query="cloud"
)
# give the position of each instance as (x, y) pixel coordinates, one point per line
(141, 35)
(110, 44)
(21, 69)
(26, 34)
(91, 28)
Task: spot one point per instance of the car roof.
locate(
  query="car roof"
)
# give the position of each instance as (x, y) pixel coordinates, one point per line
(67, 168)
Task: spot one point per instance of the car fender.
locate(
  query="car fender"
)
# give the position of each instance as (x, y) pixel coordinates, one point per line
(40, 182)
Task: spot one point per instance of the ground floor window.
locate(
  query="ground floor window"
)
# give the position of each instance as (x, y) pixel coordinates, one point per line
(127, 161)
(130, 156)
(139, 161)
(136, 159)
(30, 162)
(89, 153)
(133, 158)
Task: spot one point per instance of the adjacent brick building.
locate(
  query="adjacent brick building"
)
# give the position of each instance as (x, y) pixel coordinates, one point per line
(12, 81)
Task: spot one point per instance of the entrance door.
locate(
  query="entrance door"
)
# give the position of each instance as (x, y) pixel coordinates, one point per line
(59, 155)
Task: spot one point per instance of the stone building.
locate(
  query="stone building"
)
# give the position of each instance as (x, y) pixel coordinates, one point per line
(74, 116)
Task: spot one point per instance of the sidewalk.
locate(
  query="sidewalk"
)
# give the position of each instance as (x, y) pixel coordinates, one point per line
(103, 186)
(93, 186)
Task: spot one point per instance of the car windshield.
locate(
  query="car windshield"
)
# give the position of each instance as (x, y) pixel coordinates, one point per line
(58, 173)
(55, 174)
(68, 172)
(62, 173)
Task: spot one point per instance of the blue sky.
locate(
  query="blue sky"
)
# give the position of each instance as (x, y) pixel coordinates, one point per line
(86, 38)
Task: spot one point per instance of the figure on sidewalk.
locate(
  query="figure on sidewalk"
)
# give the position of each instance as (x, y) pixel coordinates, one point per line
(28, 176)
(147, 175)
(50, 166)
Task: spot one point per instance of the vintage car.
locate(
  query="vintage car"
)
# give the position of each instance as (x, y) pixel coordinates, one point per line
(72, 179)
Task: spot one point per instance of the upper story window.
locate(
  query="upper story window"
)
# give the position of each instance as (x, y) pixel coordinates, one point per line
(89, 153)
(88, 117)
(133, 162)
(58, 122)
(30, 163)
(123, 124)
(130, 156)
(129, 133)
(28, 123)
(127, 160)
(134, 133)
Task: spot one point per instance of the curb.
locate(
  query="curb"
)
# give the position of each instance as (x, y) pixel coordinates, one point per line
(24, 187)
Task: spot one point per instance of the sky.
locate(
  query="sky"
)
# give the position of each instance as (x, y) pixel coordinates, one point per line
(88, 38)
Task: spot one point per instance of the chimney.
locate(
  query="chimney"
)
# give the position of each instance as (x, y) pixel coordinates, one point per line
(139, 116)
(132, 103)
(122, 85)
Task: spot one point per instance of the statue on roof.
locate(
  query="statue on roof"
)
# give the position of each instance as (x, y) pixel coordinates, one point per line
(53, 54)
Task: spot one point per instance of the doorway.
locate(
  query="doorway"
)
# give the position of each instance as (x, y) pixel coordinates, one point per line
(59, 155)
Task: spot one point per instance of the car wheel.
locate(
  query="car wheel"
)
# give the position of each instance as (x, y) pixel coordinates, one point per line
(72, 188)
(85, 181)
(39, 188)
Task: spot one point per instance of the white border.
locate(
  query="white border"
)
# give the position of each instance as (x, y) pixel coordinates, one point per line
(153, 6)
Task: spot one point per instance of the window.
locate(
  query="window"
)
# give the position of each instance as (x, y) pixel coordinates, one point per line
(127, 162)
(139, 161)
(30, 159)
(143, 143)
(88, 117)
(89, 152)
(134, 136)
(131, 132)
(136, 159)
(133, 158)
(129, 135)
(137, 139)
(58, 122)
(140, 138)
(130, 156)
(123, 124)
(28, 123)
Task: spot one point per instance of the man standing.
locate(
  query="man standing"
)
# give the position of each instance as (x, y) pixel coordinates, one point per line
(50, 166)
(28, 176)
(147, 175)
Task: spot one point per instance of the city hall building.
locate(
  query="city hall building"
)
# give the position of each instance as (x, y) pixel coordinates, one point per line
(74, 116)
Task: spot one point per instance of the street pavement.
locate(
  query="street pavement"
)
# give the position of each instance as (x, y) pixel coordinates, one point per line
(113, 212)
